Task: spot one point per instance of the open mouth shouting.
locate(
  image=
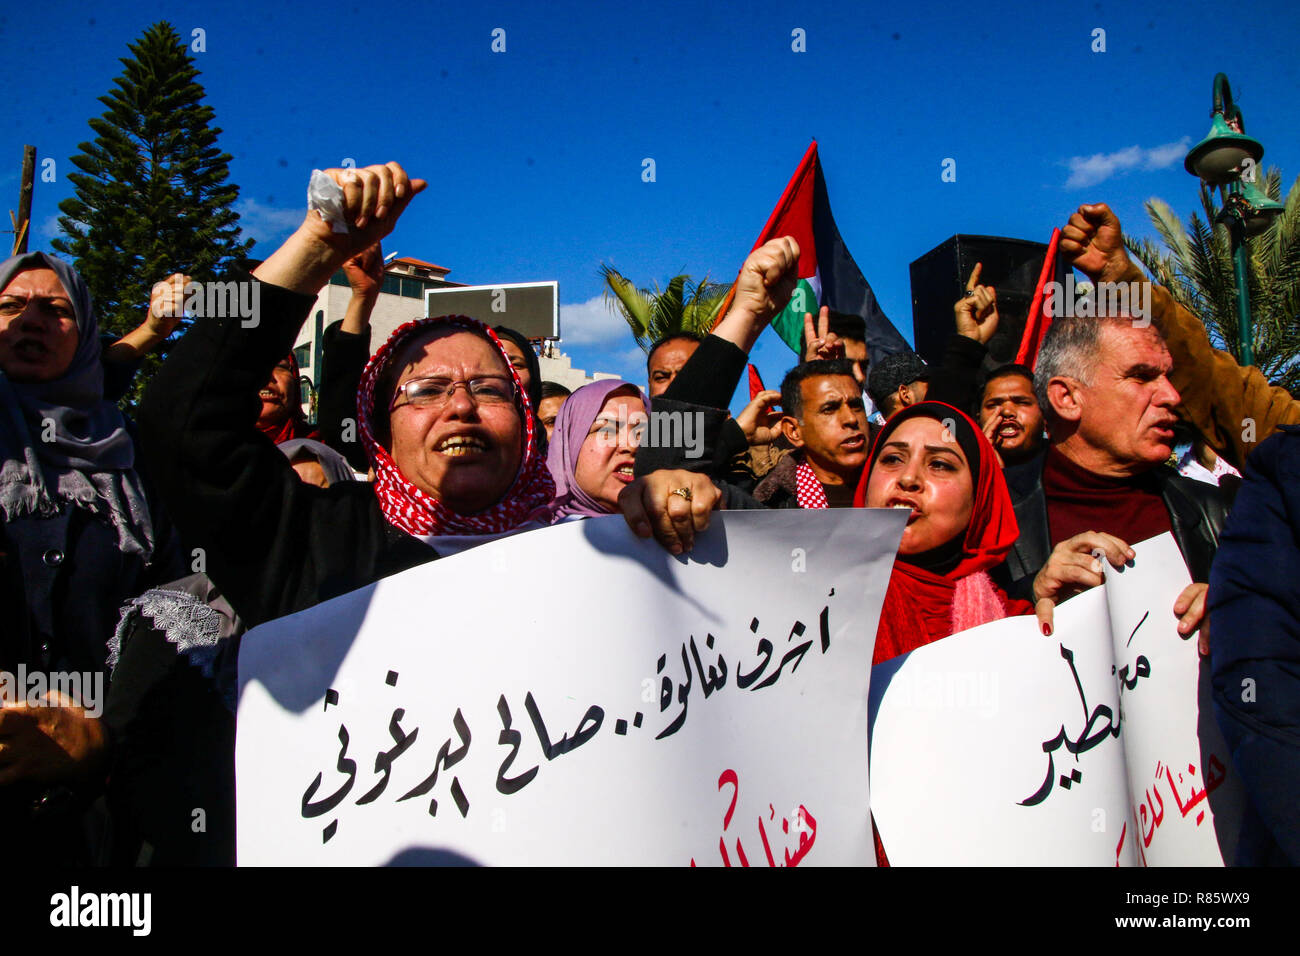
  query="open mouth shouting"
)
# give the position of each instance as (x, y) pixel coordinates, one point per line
(465, 446)
(31, 350)
(909, 504)
(1165, 429)
(1008, 430)
(624, 474)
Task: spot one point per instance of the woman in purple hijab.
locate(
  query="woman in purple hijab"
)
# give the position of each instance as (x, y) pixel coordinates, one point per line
(594, 446)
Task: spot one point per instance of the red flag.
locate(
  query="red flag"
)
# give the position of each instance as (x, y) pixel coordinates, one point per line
(755, 383)
(792, 215)
(1040, 316)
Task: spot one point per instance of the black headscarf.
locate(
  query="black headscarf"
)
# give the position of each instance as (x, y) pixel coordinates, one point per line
(534, 378)
(534, 364)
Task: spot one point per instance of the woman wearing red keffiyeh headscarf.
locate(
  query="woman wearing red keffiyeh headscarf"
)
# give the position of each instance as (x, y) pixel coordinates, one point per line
(440, 411)
(442, 398)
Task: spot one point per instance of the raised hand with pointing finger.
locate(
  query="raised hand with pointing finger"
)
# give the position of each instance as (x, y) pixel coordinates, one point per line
(976, 312)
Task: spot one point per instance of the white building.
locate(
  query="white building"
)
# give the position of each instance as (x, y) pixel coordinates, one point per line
(401, 299)
(558, 367)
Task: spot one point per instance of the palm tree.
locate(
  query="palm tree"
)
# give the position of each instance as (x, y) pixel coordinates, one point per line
(683, 305)
(1195, 265)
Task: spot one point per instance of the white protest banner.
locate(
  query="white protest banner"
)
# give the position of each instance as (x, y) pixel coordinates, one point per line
(1000, 746)
(575, 695)
(1174, 751)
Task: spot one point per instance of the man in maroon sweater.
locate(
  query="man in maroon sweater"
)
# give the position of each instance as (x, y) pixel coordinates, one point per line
(1103, 384)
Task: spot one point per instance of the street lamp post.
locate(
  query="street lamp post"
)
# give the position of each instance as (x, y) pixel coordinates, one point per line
(1245, 327)
(1227, 158)
(307, 388)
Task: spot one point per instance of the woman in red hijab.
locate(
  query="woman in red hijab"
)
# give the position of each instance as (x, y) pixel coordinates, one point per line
(281, 417)
(935, 461)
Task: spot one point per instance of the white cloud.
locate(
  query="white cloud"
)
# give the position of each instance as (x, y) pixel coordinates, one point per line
(265, 223)
(592, 323)
(1097, 168)
(627, 364)
(49, 229)
(1162, 157)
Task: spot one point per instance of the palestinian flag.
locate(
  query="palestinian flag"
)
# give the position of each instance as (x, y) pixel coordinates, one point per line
(827, 273)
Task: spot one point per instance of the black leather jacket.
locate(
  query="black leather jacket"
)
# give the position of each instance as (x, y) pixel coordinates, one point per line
(1197, 512)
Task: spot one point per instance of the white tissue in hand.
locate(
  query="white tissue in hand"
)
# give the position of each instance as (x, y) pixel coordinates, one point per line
(325, 196)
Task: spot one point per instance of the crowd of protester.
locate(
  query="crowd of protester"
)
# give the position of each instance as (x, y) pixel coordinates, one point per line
(143, 552)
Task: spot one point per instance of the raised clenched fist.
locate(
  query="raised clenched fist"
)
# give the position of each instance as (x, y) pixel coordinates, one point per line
(1094, 244)
(374, 197)
(767, 279)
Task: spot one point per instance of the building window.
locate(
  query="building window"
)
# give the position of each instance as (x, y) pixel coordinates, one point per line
(302, 355)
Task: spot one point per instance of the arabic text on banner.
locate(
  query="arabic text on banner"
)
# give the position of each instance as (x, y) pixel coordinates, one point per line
(1096, 745)
(710, 708)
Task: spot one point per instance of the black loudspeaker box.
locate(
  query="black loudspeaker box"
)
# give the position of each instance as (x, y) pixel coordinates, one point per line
(939, 277)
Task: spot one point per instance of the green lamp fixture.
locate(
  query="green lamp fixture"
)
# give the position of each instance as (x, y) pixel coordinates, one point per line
(1254, 207)
(1218, 158)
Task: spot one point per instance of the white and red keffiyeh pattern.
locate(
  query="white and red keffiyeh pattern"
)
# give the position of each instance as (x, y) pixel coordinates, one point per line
(809, 490)
(419, 514)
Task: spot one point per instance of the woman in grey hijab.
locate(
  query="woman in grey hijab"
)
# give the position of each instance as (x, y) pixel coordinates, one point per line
(78, 537)
(62, 442)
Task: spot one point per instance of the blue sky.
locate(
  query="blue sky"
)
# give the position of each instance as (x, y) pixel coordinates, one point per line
(535, 155)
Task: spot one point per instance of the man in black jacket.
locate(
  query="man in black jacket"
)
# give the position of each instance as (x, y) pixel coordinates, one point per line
(1100, 485)
(825, 420)
(705, 383)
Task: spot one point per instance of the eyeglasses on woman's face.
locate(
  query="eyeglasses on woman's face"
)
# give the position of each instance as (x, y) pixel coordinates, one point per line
(436, 392)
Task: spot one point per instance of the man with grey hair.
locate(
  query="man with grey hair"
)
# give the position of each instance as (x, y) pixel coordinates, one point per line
(1103, 384)
(1233, 406)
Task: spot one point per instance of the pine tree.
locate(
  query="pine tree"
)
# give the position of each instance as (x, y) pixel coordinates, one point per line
(152, 196)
